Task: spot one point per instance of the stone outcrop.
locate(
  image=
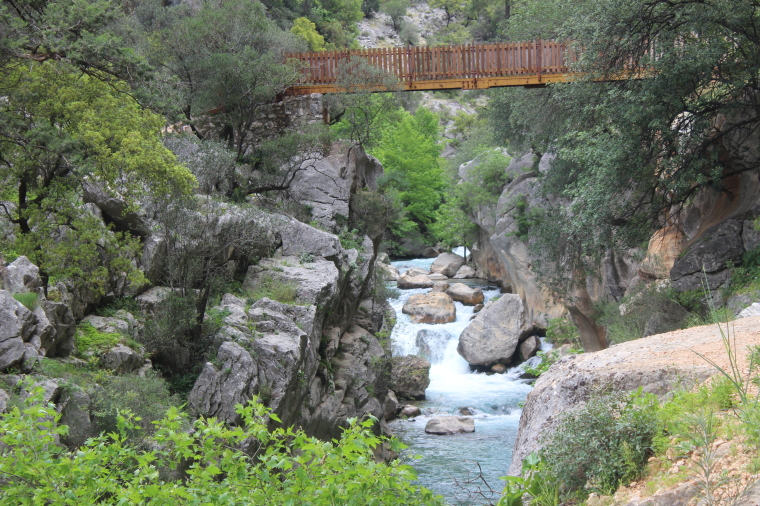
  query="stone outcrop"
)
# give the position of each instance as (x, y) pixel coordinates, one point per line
(433, 307)
(468, 296)
(410, 377)
(447, 264)
(658, 364)
(326, 184)
(448, 425)
(21, 275)
(494, 334)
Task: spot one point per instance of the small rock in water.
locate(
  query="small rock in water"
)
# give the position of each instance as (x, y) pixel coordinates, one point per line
(477, 308)
(499, 368)
(440, 286)
(467, 411)
(437, 277)
(445, 425)
(409, 411)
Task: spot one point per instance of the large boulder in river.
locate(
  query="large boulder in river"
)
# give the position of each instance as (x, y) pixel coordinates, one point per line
(447, 264)
(447, 425)
(410, 377)
(433, 307)
(658, 364)
(406, 281)
(387, 271)
(468, 296)
(493, 335)
(465, 272)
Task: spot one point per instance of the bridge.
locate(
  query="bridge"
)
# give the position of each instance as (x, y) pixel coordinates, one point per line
(468, 67)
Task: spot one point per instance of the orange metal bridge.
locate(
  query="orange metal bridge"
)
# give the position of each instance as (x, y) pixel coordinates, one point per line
(469, 67)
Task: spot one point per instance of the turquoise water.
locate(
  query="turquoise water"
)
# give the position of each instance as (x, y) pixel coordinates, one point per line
(446, 463)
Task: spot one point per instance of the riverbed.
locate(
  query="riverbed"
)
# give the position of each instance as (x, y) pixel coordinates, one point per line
(459, 466)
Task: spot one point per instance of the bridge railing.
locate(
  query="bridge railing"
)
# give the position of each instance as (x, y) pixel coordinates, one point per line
(416, 64)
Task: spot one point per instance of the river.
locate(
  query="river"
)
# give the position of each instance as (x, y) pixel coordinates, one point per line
(446, 464)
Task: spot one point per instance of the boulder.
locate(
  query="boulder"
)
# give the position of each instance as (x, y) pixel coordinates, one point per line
(389, 272)
(440, 286)
(477, 308)
(315, 284)
(466, 295)
(447, 425)
(299, 238)
(429, 252)
(219, 388)
(17, 326)
(151, 298)
(529, 347)
(416, 271)
(669, 316)
(664, 247)
(117, 210)
(121, 359)
(410, 377)
(74, 408)
(390, 406)
(4, 398)
(447, 264)
(437, 277)
(658, 364)
(467, 411)
(108, 324)
(753, 310)
(495, 332)
(21, 275)
(465, 272)
(434, 307)
(383, 258)
(432, 344)
(406, 282)
(58, 341)
(409, 411)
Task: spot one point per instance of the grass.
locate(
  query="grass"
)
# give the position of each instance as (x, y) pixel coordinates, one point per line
(90, 340)
(27, 299)
(275, 289)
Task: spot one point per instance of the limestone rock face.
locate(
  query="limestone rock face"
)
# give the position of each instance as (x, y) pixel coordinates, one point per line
(663, 250)
(57, 329)
(659, 364)
(434, 307)
(74, 408)
(17, 325)
(389, 272)
(495, 332)
(447, 425)
(669, 316)
(327, 183)
(468, 296)
(447, 264)
(410, 377)
(21, 275)
(218, 389)
(406, 281)
(719, 245)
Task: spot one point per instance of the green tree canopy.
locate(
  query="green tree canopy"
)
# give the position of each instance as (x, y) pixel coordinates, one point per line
(61, 130)
(307, 30)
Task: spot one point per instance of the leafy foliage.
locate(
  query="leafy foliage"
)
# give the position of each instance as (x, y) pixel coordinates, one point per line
(90, 340)
(269, 286)
(307, 30)
(282, 466)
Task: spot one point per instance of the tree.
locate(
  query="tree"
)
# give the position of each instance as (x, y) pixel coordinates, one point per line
(632, 153)
(228, 60)
(307, 30)
(396, 9)
(410, 154)
(59, 131)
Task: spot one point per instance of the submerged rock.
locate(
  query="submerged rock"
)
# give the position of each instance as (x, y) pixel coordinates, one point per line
(447, 425)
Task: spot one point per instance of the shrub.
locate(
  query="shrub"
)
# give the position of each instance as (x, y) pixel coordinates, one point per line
(562, 330)
(27, 299)
(605, 442)
(288, 467)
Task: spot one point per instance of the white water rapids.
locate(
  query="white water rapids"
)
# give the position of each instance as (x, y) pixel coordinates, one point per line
(445, 461)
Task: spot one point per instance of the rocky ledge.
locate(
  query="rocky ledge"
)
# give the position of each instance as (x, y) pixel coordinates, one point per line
(658, 364)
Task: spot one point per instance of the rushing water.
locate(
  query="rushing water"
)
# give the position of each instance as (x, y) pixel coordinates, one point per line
(446, 463)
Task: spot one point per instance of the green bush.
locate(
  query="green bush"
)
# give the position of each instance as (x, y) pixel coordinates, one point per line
(562, 330)
(604, 443)
(27, 299)
(248, 464)
(90, 340)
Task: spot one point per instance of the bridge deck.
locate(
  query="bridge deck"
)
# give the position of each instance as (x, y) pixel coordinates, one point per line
(473, 66)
